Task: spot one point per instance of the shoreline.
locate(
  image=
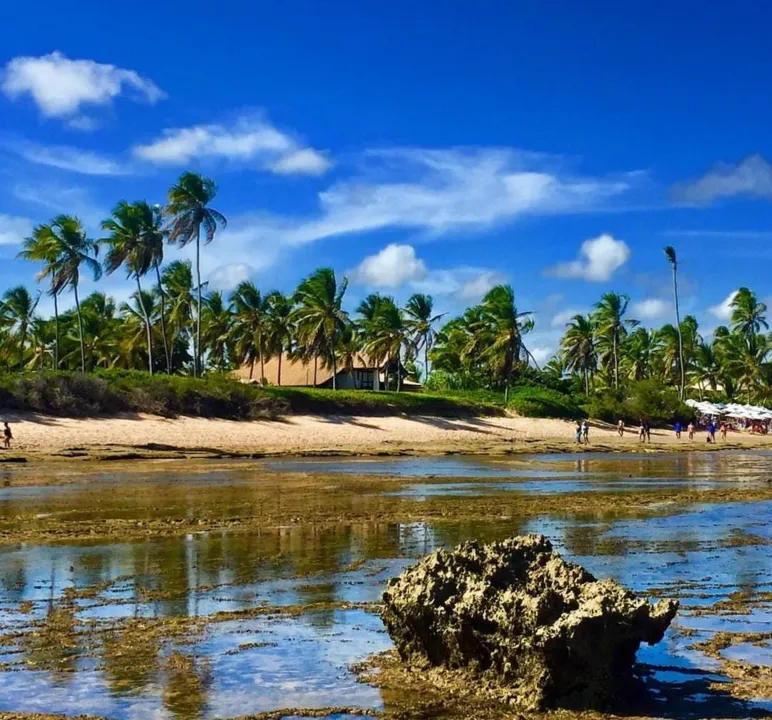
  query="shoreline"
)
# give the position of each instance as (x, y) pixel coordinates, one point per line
(138, 437)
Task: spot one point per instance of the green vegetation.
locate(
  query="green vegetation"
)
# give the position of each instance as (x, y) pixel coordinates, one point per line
(607, 366)
(535, 401)
(106, 392)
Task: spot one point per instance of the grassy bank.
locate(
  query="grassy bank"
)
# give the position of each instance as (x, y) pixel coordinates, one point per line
(526, 400)
(113, 392)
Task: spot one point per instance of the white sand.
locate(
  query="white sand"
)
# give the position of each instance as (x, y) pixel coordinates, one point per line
(309, 433)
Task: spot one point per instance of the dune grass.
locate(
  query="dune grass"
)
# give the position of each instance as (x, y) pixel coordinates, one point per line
(112, 392)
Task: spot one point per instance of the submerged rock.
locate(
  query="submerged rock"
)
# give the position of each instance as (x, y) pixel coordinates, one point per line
(533, 629)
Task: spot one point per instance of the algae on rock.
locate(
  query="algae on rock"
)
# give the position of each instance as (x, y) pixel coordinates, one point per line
(536, 630)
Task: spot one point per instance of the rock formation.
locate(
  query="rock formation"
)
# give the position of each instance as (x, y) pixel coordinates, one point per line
(534, 629)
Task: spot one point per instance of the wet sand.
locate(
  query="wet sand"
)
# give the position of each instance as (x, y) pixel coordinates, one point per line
(133, 436)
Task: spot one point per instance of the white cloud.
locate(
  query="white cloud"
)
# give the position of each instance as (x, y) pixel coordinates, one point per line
(302, 162)
(59, 198)
(651, 308)
(599, 258)
(464, 283)
(68, 158)
(397, 266)
(392, 267)
(752, 176)
(82, 122)
(542, 355)
(14, 229)
(561, 319)
(247, 139)
(227, 277)
(60, 86)
(442, 191)
(723, 311)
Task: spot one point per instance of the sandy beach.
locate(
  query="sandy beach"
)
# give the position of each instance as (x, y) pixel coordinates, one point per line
(69, 437)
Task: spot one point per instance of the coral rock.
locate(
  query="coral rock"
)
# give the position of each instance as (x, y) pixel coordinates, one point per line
(534, 629)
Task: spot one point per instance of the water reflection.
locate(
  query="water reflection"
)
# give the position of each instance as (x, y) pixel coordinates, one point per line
(174, 628)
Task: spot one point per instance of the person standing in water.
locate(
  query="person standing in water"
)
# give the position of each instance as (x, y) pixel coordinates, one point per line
(7, 435)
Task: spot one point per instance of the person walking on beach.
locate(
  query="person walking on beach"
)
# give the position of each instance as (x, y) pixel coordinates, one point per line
(711, 432)
(578, 432)
(690, 428)
(648, 432)
(677, 428)
(7, 435)
(642, 432)
(621, 427)
(723, 430)
(586, 432)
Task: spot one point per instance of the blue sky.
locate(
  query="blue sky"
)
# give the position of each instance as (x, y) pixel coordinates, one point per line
(439, 147)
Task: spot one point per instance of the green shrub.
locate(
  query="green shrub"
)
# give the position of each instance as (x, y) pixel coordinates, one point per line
(539, 401)
(647, 400)
(114, 391)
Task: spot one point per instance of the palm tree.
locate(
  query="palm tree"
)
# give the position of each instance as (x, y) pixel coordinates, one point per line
(44, 245)
(279, 327)
(748, 314)
(348, 351)
(383, 332)
(189, 211)
(747, 360)
(217, 339)
(74, 249)
(706, 368)
(133, 330)
(611, 325)
(177, 284)
(319, 315)
(578, 348)
(501, 331)
(249, 326)
(17, 309)
(132, 242)
(670, 254)
(99, 331)
(42, 343)
(640, 352)
(420, 319)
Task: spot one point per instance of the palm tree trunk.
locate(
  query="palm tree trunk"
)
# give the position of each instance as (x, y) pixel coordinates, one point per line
(262, 359)
(426, 358)
(399, 373)
(316, 362)
(680, 336)
(616, 362)
(252, 367)
(148, 330)
(334, 361)
(586, 382)
(80, 330)
(162, 295)
(56, 325)
(197, 349)
(22, 342)
(278, 375)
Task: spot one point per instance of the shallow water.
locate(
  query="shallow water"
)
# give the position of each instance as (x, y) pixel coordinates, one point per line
(176, 627)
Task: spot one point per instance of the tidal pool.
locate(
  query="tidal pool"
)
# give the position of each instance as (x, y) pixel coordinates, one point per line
(229, 622)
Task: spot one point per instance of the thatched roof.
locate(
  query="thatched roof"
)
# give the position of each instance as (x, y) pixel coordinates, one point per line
(296, 372)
